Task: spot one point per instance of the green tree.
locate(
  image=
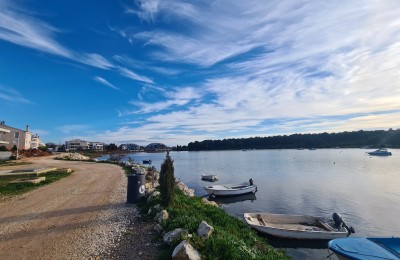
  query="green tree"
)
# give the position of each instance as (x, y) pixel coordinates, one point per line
(167, 181)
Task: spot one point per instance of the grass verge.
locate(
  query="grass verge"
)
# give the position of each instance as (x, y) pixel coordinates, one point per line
(231, 239)
(8, 188)
(12, 163)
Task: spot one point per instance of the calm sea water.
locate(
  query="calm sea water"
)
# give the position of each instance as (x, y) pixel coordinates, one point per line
(365, 190)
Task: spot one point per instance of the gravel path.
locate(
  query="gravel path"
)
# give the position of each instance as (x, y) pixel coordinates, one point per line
(83, 216)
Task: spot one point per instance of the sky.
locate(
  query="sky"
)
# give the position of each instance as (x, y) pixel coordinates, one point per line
(175, 72)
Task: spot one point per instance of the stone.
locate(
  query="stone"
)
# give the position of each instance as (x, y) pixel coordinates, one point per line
(153, 195)
(204, 230)
(162, 215)
(158, 228)
(173, 235)
(206, 201)
(155, 208)
(185, 251)
(185, 189)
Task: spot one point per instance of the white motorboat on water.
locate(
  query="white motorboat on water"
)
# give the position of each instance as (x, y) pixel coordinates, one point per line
(298, 226)
(380, 152)
(231, 189)
(359, 248)
(209, 177)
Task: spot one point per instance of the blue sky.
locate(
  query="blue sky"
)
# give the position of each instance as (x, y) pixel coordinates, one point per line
(180, 71)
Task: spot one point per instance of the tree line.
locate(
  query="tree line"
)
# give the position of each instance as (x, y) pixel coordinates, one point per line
(373, 139)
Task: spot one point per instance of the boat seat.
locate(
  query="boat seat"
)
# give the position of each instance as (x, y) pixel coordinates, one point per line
(326, 226)
(261, 221)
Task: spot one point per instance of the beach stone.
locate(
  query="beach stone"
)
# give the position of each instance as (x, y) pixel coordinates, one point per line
(206, 201)
(153, 195)
(156, 208)
(185, 189)
(158, 228)
(162, 215)
(185, 251)
(173, 235)
(204, 230)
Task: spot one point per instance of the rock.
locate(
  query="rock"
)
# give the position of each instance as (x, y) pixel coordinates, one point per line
(153, 195)
(158, 228)
(185, 189)
(204, 230)
(206, 201)
(176, 234)
(185, 251)
(162, 215)
(155, 208)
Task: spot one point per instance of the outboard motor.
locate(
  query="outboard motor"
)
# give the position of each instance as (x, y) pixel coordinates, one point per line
(338, 220)
(251, 182)
(339, 223)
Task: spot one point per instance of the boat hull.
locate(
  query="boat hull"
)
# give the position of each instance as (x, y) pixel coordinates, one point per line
(366, 248)
(293, 226)
(219, 190)
(209, 177)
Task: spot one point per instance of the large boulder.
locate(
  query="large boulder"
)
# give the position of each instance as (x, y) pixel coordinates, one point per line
(185, 189)
(185, 251)
(162, 215)
(204, 230)
(173, 235)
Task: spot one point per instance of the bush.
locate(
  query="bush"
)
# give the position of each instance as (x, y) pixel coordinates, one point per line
(3, 148)
(167, 181)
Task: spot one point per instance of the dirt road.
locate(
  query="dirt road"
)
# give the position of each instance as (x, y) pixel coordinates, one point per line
(77, 217)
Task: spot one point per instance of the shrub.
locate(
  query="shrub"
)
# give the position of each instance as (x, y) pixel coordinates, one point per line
(3, 148)
(167, 181)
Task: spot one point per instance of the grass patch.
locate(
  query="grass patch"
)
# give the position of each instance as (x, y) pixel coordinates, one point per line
(231, 239)
(7, 188)
(12, 163)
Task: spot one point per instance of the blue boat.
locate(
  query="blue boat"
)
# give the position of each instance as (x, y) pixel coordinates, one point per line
(366, 248)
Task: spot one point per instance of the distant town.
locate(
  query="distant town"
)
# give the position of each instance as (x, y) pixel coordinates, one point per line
(14, 139)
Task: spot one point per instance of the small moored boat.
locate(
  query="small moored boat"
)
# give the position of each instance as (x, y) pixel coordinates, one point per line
(366, 248)
(231, 189)
(209, 177)
(146, 161)
(380, 152)
(298, 226)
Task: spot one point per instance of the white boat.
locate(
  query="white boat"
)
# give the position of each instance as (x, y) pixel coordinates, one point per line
(298, 226)
(231, 189)
(380, 152)
(209, 177)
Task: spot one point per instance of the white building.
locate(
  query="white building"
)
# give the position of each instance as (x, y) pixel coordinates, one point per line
(24, 139)
(78, 144)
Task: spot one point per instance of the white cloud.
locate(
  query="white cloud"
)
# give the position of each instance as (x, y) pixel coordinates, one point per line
(73, 129)
(18, 27)
(132, 75)
(104, 82)
(11, 95)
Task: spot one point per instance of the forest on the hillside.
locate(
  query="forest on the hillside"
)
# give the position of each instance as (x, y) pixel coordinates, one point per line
(374, 139)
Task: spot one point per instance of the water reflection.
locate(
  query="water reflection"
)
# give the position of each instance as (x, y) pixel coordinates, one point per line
(295, 243)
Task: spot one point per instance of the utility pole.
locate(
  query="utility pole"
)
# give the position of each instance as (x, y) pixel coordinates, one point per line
(16, 141)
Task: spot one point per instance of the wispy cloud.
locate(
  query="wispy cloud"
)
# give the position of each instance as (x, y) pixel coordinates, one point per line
(12, 96)
(73, 129)
(104, 82)
(21, 28)
(132, 75)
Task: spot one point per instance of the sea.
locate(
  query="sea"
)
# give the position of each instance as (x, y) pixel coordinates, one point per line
(363, 189)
